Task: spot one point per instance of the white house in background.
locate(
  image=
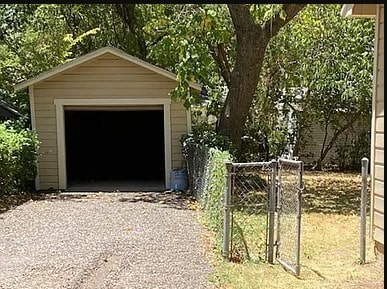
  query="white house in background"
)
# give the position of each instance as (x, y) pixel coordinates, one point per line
(377, 130)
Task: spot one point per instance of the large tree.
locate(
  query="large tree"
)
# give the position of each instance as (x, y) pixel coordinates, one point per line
(230, 40)
(252, 40)
(210, 43)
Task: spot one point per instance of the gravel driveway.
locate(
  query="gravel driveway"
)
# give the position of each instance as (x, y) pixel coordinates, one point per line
(124, 240)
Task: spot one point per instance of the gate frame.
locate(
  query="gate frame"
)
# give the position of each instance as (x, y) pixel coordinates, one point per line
(273, 210)
(296, 268)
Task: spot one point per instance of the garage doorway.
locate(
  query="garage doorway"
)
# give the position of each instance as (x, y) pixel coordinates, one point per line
(114, 148)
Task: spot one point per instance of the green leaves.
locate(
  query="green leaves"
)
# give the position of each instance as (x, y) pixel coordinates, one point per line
(184, 39)
(18, 153)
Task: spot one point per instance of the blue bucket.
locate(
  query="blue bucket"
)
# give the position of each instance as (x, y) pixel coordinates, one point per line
(179, 180)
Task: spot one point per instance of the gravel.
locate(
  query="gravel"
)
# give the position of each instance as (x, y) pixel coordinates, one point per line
(107, 240)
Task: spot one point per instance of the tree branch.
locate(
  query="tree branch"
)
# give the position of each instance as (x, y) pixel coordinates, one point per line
(325, 149)
(220, 57)
(273, 25)
(242, 19)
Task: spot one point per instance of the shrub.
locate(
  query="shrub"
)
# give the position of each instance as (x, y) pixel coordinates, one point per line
(350, 153)
(205, 135)
(18, 155)
(214, 187)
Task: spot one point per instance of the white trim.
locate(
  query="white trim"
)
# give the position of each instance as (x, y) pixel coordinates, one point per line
(373, 122)
(33, 126)
(112, 102)
(60, 106)
(167, 144)
(32, 106)
(115, 107)
(115, 51)
(61, 137)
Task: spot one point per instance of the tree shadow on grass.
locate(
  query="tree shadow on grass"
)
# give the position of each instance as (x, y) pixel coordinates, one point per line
(332, 193)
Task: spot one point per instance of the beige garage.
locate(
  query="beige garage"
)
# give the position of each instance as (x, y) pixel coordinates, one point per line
(106, 116)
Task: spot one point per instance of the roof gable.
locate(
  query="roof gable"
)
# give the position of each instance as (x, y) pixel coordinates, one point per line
(92, 55)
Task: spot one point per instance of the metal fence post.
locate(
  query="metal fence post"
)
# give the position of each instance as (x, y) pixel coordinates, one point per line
(300, 187)
(363, 204)
(272, 206)
(227, 213)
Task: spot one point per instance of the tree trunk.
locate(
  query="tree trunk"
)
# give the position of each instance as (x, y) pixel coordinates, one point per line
(252, 40)
(134, 24)
(326, 148)
(243, 84)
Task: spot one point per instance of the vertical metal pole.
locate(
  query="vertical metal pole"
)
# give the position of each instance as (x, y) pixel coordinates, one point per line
(363, 204)
(272, 205)
(300, 187)
(279, 209)
(227, 213)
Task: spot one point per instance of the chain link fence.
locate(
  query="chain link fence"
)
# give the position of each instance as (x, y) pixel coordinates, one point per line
(197, 158)
(252, 207)
(207, 177)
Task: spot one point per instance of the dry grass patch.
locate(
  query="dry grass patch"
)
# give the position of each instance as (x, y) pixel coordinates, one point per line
(330, 238)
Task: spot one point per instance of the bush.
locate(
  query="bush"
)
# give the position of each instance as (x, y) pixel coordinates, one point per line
(18, 156)
(349, 154)
(205, 135)
(214, 187)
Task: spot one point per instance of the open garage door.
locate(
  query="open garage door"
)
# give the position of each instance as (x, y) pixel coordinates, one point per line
(106, 145)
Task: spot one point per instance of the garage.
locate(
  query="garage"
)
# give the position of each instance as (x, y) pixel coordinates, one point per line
(110, 145)
(107, 118)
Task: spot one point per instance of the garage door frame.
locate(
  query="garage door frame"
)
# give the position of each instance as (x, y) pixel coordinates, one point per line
(60, 105)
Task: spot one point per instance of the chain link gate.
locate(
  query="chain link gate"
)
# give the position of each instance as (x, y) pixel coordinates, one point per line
(261, 199)
(290, 186)
(246, 211)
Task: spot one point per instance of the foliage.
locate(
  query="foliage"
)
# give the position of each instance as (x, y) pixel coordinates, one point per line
(319, 50)
(184, 38)
(36, 42)
(215, 184)
(350, 153)
(207, 172)
(204, 134)
(18, 153)
(329, 58)
(206, 153)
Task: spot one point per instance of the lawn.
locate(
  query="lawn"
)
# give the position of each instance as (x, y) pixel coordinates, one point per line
(330, 238)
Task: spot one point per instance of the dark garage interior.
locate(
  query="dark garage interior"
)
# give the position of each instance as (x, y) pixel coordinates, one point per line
(109, 145)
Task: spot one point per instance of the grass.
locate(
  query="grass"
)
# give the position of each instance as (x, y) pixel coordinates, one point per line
(330, 236)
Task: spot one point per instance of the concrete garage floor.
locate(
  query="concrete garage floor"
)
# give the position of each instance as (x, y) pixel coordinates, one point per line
(117, 186)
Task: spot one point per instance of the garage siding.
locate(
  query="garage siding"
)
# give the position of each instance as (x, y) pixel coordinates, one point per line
(106, 76)
(378, 145)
